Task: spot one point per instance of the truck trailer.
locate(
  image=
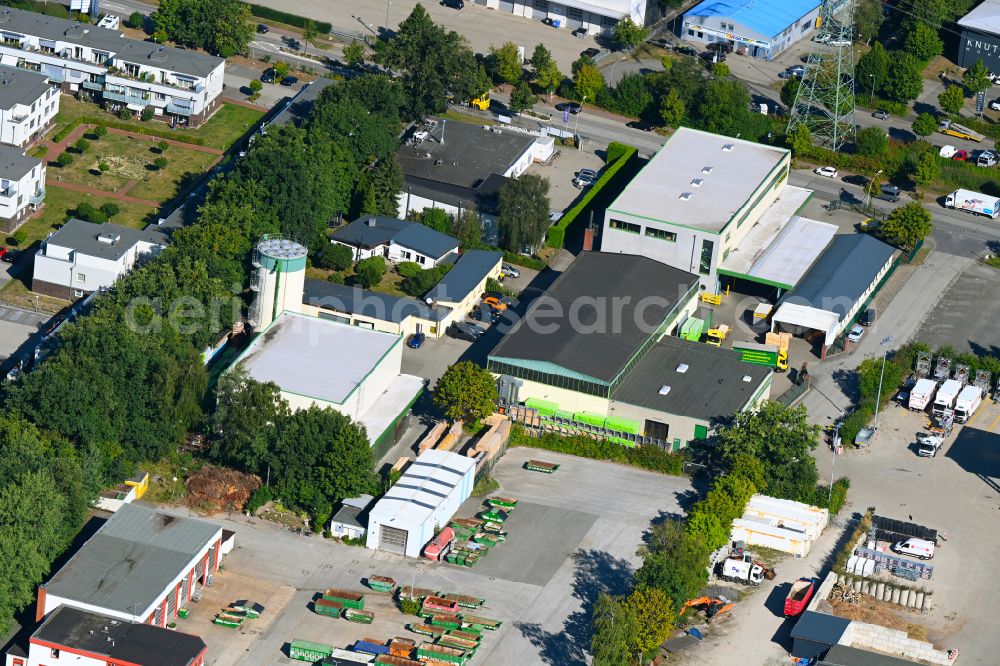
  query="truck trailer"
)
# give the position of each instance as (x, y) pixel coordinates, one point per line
(968, 401)
(922, 393)
(946, 396)
(770, 355)
(952, 128)
(973, 202)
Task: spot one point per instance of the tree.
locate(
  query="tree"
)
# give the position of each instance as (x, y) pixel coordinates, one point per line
(925, 124)
(468, 229)
(923, 42)
(160, 163)
(872, 141)
(505, 63)
(548, 78)
(789, 91)
(334, 256)
(614, 632)
(632, 96)
(370, 271)
(952, 99)
(103, 167)
(422, 281)
(907, 225)
(247, 415)
(99, 132)
(904, 81)
(523, 213)
(654, 617)
(435, 218)
(927, 169)
(588, 82)
(466, 392)
(720, 70)
(280, 70)
(354, 54)
(628, 34)
(674, 561)
(872, 69)
(64, 159)
(220, 26)
(977, 77)
(522, 99)
(672, 109)
(541, 57)
(724, 107)
(81, 145)
(868, 19)
(136, 20)
(781, 438)
(255, 86)
(110, 209)
(309, 30)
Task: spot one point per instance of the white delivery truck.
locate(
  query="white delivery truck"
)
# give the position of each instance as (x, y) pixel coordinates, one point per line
(921, 394)
(967, 403)
(973, 202)
(946, 396)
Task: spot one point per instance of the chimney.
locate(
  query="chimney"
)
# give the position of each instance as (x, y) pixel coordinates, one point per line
(371, 222)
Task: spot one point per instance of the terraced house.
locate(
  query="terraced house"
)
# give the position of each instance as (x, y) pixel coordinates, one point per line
(107, 67)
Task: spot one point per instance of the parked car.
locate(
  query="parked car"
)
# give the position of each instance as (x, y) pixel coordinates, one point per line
(510, 271)
(454, 4)
(987, 158)
(868, 318)
(268, 75)
(495, 302)
(960, 155)
(995, 105)
(585, 177)
(720, 47)
(572, 107)
(855, 179)
(580, 32)
(919, 548)
(486, 313)
(507, 301)
(289, 81)
(643, 125)
(881, 115)
(416, 341)
(827, 171)
(888, 192)
(856, 334)
(262, 29)
(463, 330)
(9, 256)
(659, 43)
(590, 53)
(712, 56)
(686, 50)
(947, 152)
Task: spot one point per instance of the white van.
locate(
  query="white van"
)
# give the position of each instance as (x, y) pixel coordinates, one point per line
(918, 548)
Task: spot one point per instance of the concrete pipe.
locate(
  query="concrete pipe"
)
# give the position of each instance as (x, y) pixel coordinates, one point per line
(841, 578)
(856, 585)
(866, 588)
(895, 595)
(880, 591)
(918, 601)
(904, 598)
(928, 598)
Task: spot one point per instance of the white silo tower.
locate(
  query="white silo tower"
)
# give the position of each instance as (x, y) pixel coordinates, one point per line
(278, 279)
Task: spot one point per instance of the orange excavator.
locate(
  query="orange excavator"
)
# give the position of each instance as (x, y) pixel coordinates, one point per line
(713, 606)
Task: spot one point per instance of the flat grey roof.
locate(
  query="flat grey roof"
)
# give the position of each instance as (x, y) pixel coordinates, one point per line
(20, 86)
(820, 627)
(355, 300)
(349, 515)
(85, 238)
(574, 324)
(183, 61)
(841, 274)
(131, 559)
(121, 642)
(712, 387)
(373, 230)
(314, 357)
(984, 18)
(14, 164)
(468, 156)
(655, 193)
(842, 655)
(471, 268)
(300, 107)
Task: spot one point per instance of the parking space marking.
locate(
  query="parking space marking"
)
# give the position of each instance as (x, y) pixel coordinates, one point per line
(993, 425)
(979, 411)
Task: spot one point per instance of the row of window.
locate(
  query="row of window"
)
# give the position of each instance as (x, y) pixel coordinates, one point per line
(651, 232)
(573, 13)
(561, 381)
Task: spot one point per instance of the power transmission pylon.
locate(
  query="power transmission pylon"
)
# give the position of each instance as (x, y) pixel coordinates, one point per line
(824, 102)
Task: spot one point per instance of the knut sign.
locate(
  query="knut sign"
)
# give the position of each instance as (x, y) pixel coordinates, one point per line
(980, 47)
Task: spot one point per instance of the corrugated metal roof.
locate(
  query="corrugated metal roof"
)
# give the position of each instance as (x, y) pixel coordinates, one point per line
(424, 486)
(768, 17)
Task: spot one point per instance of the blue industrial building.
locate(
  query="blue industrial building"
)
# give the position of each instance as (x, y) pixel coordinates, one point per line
(756, 28)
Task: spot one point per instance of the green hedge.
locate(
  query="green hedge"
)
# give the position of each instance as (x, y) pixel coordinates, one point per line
(839, 495)
(289, 19)
(65, 131)
(646, 457)
(854, 422)
(901, 109)
(521, 260)
(141, 129)
(556, 236)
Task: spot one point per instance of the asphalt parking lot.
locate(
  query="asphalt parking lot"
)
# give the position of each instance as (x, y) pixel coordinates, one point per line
(566, 542)
(966, 316)
(16, 327)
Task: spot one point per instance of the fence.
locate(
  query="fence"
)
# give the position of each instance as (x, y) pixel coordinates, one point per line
(792, 394)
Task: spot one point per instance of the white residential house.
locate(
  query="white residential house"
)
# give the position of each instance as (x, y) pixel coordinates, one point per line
(22, 187)
(106, 66)
(83, 257)
(28, 103)
(395, 240)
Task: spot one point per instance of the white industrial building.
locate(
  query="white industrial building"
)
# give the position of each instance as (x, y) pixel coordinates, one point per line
(717, 207)
(424, 499)
(28, 103)
(83, 257)
(140, 566)
(595, 16)
(22, 187)
(182, 85)
(756, 28)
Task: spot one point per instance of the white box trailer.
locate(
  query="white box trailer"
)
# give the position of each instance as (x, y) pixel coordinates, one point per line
(796, 515)
(922, 394)
(946, 396)
(973, 202)
(762, 532)
(968, 401)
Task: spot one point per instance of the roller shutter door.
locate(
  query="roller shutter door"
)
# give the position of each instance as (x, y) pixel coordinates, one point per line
(506, 7)
(393, 540)
(172, 603)
(185, 589)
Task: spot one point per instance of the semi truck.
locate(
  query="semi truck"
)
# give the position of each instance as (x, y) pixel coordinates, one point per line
(968, 401)
(757, 354)
(946, 395)
(744, 569)
(952, 128)
(973, 202)
(922, 393)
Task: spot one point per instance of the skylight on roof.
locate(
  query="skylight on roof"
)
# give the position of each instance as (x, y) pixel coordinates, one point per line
(682, 368)
(727, 147)
(707, 169)
(685, 196)
(696, 182)
(664, 390)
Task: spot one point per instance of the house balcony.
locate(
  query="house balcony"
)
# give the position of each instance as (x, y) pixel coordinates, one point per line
(126, 98)
(93, 85)
(37, 198)
(178, 110)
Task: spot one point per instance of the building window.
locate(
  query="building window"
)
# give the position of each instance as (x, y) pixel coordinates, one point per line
(690, 32)
(77, 293)
(81, 277)
(574, 13)
(420, 259)
(406, 255)
(55, 653)
(707, 249)
(542, 5)
(805, 26)
(661, 234)
(625, 226)
(608, 22)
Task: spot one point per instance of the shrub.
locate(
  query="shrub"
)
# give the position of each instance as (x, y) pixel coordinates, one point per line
(40, 151)
(19, 236)
(256, 86)
(839, 495)
(160, 163)
(335, 278)
(322, 27)
(162, 146)
(520, 260)
(147, 114)
(81, 145)
(86, 211)
(260, 497)
(616, 151)
(110, 209)
(409, 269)
(646, 457)
(409, 606)
(334, 256)
(485, 485)
(424, 281)
(100, 132)
(370, 271)
(64, 159)
(103, 167)
(854, 422)
(136, 20)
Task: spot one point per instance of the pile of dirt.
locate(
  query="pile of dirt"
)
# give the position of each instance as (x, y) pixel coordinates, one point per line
(220, 489)
(883, 613)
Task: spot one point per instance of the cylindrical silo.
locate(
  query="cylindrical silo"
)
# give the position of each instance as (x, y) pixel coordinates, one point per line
(278, 278)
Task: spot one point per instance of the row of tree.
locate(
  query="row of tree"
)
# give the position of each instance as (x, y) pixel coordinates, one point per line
(221, 27)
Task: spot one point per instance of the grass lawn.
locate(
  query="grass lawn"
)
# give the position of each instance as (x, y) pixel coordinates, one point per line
(132, 159)
(388, 285)
(228, 124)
(16, 293)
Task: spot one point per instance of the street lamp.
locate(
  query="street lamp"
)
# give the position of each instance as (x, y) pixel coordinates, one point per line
(836, 443)
(871, 186)
(872, 77)
(579, 142)
(388, 3)
(884, 342)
